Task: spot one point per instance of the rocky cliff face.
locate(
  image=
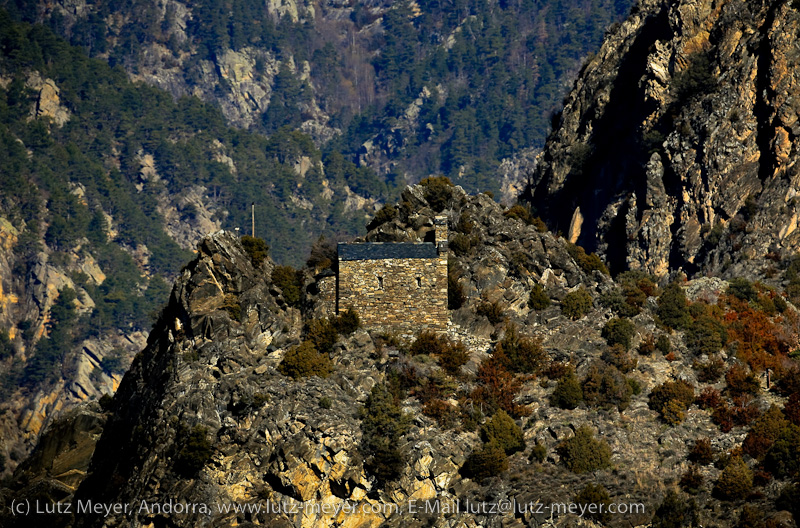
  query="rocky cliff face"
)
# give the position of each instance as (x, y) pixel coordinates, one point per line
(677, 145)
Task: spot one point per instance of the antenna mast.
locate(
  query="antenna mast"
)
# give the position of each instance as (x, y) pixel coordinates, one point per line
(253, 219)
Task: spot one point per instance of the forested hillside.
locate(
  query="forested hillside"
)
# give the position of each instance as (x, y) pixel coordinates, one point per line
(152, 124)
(106, 186)
(407, 88)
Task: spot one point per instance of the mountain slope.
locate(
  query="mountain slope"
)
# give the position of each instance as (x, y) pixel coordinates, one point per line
(679, 141)
(209, 415)
(106, 186)
(408, 88)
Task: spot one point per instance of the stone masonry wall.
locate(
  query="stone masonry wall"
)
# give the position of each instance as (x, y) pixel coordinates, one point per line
(404, 295)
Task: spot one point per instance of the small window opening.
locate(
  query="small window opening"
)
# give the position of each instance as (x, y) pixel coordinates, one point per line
(380, 283)
(419, 282)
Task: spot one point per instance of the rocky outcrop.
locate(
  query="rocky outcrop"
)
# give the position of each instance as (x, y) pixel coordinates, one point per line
(273, 437)
(58, 465)
(48, 102)
(678, 141)
(209, 377)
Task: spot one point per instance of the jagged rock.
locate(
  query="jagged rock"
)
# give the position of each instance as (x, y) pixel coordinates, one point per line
(48, 102)
(684, 113)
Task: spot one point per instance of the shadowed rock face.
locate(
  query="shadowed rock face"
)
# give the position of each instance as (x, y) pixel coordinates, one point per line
(679, 140)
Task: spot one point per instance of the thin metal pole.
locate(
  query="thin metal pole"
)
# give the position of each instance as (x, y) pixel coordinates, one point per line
(253, 219)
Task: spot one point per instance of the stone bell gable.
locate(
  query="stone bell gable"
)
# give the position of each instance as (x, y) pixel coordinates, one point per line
(399, 287)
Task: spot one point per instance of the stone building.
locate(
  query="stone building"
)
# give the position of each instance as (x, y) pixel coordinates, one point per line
(399, 287)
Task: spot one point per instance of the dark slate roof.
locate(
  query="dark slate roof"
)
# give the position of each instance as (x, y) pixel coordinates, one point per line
(386, 250)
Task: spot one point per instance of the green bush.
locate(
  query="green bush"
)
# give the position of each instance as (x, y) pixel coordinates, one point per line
(705, 335)
(568, 393)
(6, 348)
(386, 214)
(523, 213)
(106, 402)
(752, 517)
(672, 412)
(792, 408)
(465, 224)
(505, 431)
(604, 386)
(576, 303)
(594, 500)
(692, 480)
(303, 361)
(453, 357)
(325, 403)
(663, 345)
(789, 500)
(521, 264)
(587, 263)
(438, 191)
(492, 310)
(675, 512)
(538, 453)
(538, 299)
(782, 459)
(647, 346)
(617, 303)
(256, 249)
(322, 333)
(619, 331)
(710, 371)
(347, 322)
(383, 422)
(670, 399)
(290, 282)
(520, 212)
(673, 308)
(259, 400)
(428, 343)
(520, 354)
(112, 364)
(248, 403)
(230, 304)
(742, 289)
(489, 461)
(324, 254)
(764, 432)
(461, 244)
(735, 482)
(194, 450)
(455, 291)
(696, 80)
(779, 303)
(701, 452)
(582, 452)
